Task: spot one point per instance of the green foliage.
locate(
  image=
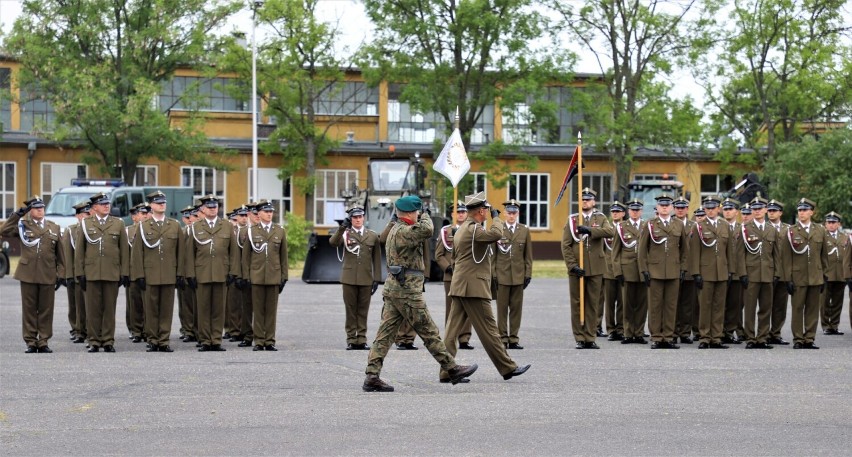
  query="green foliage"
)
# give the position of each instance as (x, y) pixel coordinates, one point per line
(816, 169)
(298, 230)
(100, 64)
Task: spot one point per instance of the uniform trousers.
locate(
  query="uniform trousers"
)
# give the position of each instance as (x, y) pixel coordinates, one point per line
(80, 301)
(614, 306)
(779, 310)
(711, 321)
(247, 317)
(134, 314)
(71, 289)
(187, 312)
(805, 313)
(734, 309)
(210, 311)
(758, 302)
(662, 308)
(233, 310)
(356, 300)
(264, 300)
(37, 313)
(101, 298)
(686, 299)
(478, 311)
(510, 306)
(832, 304)
(587, 331)
(635, 309)
(159, 308)
(413, 311)
(464, 335)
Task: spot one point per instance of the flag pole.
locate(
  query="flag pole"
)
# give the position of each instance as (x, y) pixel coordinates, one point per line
(579, 216)
(455, 187)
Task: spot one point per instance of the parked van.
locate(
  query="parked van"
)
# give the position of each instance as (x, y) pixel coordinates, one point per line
(60, 209)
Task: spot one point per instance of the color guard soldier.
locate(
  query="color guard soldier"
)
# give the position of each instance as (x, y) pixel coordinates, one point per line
(444, 257)
(589, 233)
(625, 268)
(808, 249)
(135, 304)
(212, 263)
(513, 264)
(733, 319)
(762, 254)
(101, 264)
(76, 301)
(156, 267)
(360, 275)
(613, 302)
(41, 271)
(244, 283)
(687, 296)
(471, 288)
(832, 299)
(663, 250)
(265, 264)
(774, 210)
(234, 305)
(186, 296)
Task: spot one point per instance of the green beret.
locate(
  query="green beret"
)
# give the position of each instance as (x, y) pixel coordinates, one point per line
(409, 203)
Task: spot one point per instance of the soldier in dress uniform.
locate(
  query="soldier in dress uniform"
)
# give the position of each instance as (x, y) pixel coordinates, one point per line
(41, 270)
(186, 296)
(265, 265)
(807, 245)
(762, 254)
(134, 302)
(832, 299)
(101, 265)
(613, 303)
(360, 275)
(663, 250)
(212, 263)
(76, 301)
(625, 268)
(698, 215)
(589, 233)
(234, 305)
(847, 272)
(444, 257)
(746, 213)
(403, 293)
(774, 211)
(247, 317)
(513, 264)
(733, 319)
(156, 267)
(687, 296)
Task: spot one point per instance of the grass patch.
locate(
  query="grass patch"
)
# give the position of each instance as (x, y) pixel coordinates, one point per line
(549, 269)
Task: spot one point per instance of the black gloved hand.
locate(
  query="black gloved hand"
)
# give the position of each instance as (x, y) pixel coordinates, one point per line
(428, 211)
(193, 283)
(81, 280)
(527, 282)
(849, 284)
(620, 279)
(744, 281)
(791, 288)
(229, 279)
(495, 213)
(577, 271)
(347, 223)
(281, 286)
(699, 281)
(775, 280)
(647, 277)
(395, 217)
(374, 288)
(583, 230)
(140, 283)
(180, 283)
(59, 283)
(730, 279)
(239, 283)
(124, 281)
(69, 282)
(22, 210)
(449, 270)
(682, 275)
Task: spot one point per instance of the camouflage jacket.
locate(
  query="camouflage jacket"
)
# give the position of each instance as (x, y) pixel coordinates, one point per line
(404, 248)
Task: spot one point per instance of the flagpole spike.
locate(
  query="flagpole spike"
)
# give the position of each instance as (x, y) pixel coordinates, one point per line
(457, 116)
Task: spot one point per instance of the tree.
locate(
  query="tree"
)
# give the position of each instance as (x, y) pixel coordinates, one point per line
(298, 73)
(814, 168)
(635, 42)
(782, 63)
(466, 55)
(100, 63)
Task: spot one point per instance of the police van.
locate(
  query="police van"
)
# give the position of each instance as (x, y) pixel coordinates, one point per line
(60, 209)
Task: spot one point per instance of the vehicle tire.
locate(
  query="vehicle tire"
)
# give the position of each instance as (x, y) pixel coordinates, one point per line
(4, 264)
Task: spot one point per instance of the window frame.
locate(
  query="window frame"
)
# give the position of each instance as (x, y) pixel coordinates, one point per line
(321, 201)
(7, 204)
(543, 201)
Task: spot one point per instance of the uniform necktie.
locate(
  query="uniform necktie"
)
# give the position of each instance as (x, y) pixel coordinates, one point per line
(267, 229)
(512, 229)
(41, 225)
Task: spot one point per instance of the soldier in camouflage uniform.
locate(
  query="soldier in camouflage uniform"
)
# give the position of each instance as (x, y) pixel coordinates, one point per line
(403, 293)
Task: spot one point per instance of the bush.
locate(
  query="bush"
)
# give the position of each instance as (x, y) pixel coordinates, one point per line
(298, 230)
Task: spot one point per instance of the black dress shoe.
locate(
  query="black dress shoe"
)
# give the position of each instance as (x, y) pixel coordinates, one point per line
(460, 381)
(600, 334)
(79, 339)
(515, 346)
(166, 349)
(615, 336)
(109, 348)
(629, 340)
(718, 346)
(762, 346)
(364, 347)
(94, 349)
(244, 344)
(152, 348)
(659, 345)
(204, 348)
(516, 372)
(190, 339)
(591, 345)
(640, 340)
(270, 347)
(136, 339)
(217, 348)
(31, 350)
(806, 345)
(798, 346)
(235, 338)
(751, 345)
(351, 347)
(181, 337)
(72, 337)
(685, 340)
(226, 336)
(580, 345)
(257, 348)
(465, 346)
(778, 340)
(399, 346)
(703, 346)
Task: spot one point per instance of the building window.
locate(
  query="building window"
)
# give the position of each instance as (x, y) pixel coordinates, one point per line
(329, 206)
(600, 183)
(479, 183)
(409, 126)
(146, 175)
(483, 131)
(55, 176)
(204, 181)
(5, 99)
(36, 112)
(532, 192)
(7, 189)
(569, 117)
(715, 184)
(205, 94)
(348, 98)
(516, 124)
(272, 188)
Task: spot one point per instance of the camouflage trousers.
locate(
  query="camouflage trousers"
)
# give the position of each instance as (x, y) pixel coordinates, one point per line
(413, 311)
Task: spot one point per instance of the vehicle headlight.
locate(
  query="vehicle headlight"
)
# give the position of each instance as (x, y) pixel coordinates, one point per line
(4, 245)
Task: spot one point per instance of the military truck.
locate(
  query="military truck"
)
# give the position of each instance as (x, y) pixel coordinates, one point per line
(649, 189)
(387, 180)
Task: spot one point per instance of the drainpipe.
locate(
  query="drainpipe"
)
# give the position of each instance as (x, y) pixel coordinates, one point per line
(31, 148)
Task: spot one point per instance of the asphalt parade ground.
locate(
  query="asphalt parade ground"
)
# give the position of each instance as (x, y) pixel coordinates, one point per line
(306, 399)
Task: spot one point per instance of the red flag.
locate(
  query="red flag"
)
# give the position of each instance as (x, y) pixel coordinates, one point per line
(572, 171)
